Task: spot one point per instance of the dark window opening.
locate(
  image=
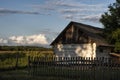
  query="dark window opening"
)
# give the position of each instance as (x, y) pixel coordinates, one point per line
(101, 50)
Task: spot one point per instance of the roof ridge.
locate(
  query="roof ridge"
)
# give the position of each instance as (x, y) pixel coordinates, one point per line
(86, 25)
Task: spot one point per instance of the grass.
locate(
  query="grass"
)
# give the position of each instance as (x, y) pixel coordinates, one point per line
(14, 75)
(49, 72)
(11, 59)
(24, 75)
(59, 73)
(72, 73)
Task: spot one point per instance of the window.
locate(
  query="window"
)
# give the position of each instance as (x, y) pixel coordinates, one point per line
(101, 50)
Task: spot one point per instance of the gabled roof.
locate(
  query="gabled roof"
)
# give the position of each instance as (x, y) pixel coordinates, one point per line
(86, 27)
(96, 34)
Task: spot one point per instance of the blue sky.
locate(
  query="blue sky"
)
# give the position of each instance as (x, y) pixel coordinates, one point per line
(38, 22)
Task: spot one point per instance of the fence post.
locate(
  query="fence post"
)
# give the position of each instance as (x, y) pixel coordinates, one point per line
(74, 67)
(16, 65)
(28, 61)
(28, 65)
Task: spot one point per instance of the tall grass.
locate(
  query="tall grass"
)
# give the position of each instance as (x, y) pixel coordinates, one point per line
(16, 59)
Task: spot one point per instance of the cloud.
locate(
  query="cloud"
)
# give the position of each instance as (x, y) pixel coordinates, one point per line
(77, 4)
(77, 10)
(18, 39)
(38, 39)
(4, 11)
(71, 9)
(3, 41)
(69, 17)
(91, 18)
(31, 40)
(67, 9)
(94, 18)
(44, 37)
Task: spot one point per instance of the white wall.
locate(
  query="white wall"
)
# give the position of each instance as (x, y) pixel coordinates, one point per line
(73, 50)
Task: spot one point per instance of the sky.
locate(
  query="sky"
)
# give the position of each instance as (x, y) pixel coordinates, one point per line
(39, 22)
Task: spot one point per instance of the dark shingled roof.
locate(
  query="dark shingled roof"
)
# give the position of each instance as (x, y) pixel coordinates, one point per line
(96, 34)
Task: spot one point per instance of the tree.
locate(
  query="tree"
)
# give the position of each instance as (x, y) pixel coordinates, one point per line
(116, 37)
(111, 22)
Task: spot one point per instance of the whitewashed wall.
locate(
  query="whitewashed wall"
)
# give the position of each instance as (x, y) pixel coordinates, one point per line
(82, 50)
(73, 50)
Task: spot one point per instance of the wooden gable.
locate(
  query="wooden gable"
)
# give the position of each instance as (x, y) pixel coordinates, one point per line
(73, 35)
(77, 33)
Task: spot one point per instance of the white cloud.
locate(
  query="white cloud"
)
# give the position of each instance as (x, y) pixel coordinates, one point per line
(44, 38)
(31, 40)
(3, 41)
(18, 39)
(94, 18)
(38, 39)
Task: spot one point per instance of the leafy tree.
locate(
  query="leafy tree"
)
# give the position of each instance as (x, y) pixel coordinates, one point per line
(111, 22)
(116, 36)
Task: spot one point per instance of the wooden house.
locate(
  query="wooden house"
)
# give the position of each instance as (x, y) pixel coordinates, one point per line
(82, 40)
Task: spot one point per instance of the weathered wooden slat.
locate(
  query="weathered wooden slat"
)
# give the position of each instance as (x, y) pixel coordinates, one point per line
(75, 68)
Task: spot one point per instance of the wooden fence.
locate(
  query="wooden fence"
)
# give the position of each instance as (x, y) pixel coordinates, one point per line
(74, 68)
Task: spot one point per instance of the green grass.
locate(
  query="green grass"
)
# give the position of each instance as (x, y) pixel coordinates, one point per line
(9, 59)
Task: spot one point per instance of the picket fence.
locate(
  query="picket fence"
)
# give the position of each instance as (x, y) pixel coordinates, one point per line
(74, 68)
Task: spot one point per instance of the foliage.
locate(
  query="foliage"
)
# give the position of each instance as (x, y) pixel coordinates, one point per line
(111, 22)
(116, 37)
